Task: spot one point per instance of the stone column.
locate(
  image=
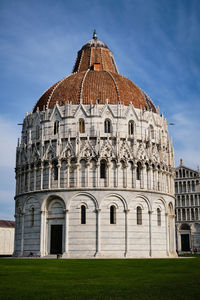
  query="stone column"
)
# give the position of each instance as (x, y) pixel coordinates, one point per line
(98, 233)
(22, 235)
(125, 175)
(59, 167)
(155, 179)
(172, 184)
(34, 176)
(77, 174)
(42, 230)
(172, 241)
(29, 177)
(68, 172)
(167, 230)
(167, 182)
(142, 177)
(24, 181)
(117, 174)
(66, 246)
(97, 174)
(41, 175)
(108, 175)
(88, 174)
(159, 180)
(150, 234)
(150, 177)
(134, 175)
(126, 233)
(50, 170)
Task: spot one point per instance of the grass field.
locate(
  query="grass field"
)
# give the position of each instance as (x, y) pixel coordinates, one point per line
(100, 279)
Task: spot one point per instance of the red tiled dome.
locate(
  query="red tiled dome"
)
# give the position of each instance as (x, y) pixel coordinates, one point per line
(95, 78)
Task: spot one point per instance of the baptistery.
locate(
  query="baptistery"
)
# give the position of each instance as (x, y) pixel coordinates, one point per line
(94, 168)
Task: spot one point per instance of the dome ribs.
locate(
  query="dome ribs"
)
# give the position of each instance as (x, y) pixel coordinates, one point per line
(85, 60)
(107, 61)
(82, 83)
(129, 92)
(115, 85)
(78, 62)
(91, 85)
(50, 96)
(99, 85)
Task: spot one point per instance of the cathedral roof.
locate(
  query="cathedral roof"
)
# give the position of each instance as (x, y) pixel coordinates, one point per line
(95, 78)
(7, 224)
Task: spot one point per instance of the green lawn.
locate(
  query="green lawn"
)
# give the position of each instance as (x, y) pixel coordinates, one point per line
(100, 279)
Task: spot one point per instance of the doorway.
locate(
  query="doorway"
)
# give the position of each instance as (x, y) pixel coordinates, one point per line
(185, 242)
(56, 239)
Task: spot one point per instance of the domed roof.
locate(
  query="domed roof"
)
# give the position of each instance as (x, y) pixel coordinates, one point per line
(95, 78)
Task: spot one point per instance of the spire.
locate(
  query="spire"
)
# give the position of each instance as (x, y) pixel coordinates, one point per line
(95, 35)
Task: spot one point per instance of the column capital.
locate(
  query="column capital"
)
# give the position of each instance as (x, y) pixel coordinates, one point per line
(66, 210)
(98, 210)
(150, 212)
(127, 211)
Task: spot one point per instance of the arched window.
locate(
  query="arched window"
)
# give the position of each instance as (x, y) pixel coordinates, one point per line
(176, 188)
(138, 171)
(56, 127)
(103, 169)
(151, 132)
(158, 216)
(130, 127)
(55, 171)
(81, 126)
(139, 215)
(37, 132)
(112, 214)
(107, 126)
(83, 214)
(193, 186)
(183, 214)
(32, 216)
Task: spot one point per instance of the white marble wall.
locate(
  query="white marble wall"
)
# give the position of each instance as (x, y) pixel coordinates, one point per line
(6, 241)
(96, 238)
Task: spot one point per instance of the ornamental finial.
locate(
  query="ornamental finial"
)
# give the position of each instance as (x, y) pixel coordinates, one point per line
(95, 35)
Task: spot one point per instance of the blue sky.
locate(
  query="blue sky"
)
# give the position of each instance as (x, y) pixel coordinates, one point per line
(156, 44)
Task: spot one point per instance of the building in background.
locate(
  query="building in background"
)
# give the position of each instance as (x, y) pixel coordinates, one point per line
(95, 168)
(187, 193)
(7, 229)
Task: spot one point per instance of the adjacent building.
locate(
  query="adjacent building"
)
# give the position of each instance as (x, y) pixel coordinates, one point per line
(187, 193)
(7, 229)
